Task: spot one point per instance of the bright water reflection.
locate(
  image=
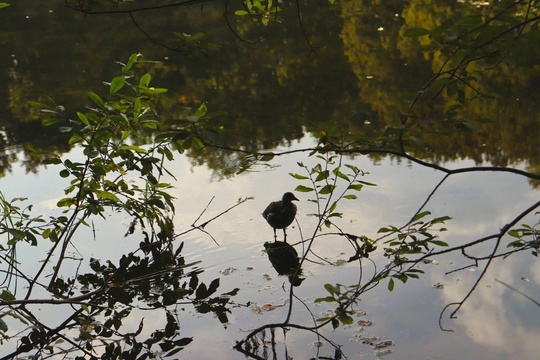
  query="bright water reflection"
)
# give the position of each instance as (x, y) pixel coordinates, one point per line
(495, 323)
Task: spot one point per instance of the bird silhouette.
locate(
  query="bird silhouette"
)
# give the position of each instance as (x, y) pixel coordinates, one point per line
(284, 259)
(280, 214)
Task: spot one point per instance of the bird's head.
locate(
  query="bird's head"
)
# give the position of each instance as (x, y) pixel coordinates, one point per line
(288, 197)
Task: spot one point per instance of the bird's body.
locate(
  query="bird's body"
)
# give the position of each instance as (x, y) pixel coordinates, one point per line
(280, 214)
(284, 259)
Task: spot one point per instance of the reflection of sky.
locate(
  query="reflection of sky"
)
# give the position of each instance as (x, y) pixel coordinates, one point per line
(495, 323)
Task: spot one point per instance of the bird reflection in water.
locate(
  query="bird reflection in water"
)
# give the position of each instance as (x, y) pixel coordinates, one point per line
(284, 259)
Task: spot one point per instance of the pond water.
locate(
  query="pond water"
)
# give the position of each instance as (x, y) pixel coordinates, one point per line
(496, 323)
(279, 99)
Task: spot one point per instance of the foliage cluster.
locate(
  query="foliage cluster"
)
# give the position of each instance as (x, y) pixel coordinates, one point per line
(125, 160)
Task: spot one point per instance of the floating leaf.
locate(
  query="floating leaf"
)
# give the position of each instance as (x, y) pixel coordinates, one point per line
(268, 307)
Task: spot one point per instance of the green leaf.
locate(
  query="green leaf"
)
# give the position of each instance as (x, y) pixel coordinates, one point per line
(340, 174)
(83, 118)
(145, 81)
(201, 111)
(106, 195)
(356, 187)
(50, 121)
(38, 104)
(133, 147)
(327, 189)
(323, 175)
(325, 299)
(366, 183)
(345, 319)
(298, 176)
(439, 243)
(420, 215)
(241, 12)
(64, 173)
(415, 32)
(153, 90)
(391, 285)
(133, 58)
(65, 202)
(330, 288)
(302, 188)
(3, 326)
(350, 197)
(385, 230)
(7, 296)
(116, 84)
(96, 99)
(266, 157)
(53, 161)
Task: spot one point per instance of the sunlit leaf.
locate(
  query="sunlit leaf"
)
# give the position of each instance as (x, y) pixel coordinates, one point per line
(145, 81)
(83, 118)
(201, 110)
(50, 121)
(96, 99)
(116, 84)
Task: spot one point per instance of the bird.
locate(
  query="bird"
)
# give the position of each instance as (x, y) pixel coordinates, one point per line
(280, 214)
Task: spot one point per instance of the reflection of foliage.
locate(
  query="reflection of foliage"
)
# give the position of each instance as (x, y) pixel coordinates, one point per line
(119, 139)
(263, 11)
(463, 44)
(317, 92)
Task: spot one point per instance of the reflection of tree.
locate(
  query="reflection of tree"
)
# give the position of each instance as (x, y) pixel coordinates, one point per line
(484, 130)
(273, 91)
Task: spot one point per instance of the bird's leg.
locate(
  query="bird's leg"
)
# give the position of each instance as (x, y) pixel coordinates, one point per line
(284, 235)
